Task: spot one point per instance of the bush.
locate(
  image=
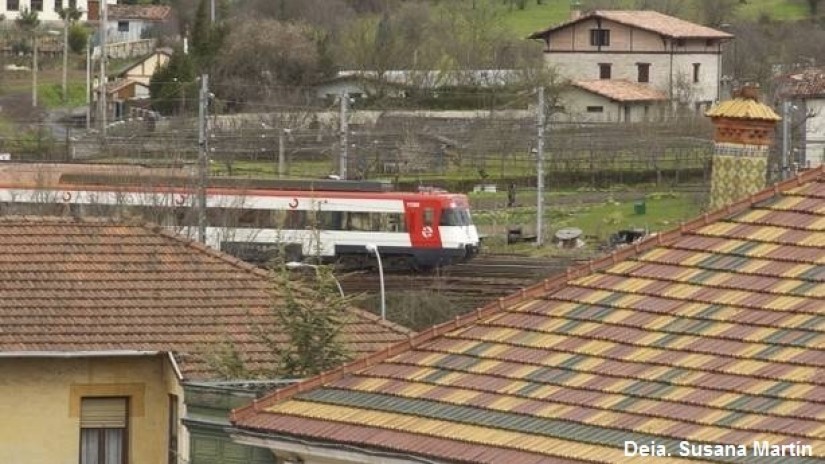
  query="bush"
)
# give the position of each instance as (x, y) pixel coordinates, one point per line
(78, 38)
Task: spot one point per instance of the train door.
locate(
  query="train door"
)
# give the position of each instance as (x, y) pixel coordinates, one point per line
(422, 223)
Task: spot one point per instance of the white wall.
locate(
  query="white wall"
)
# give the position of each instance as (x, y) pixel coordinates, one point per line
(665, 70)
(815, 133)
(48, 13)
(576, 101)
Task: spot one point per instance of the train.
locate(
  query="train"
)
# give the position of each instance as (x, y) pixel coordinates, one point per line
(328, 221)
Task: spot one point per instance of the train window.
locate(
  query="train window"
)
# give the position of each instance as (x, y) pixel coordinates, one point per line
(330, 220)
(429, 216)
(455, 217)
(295, 219)
(395, 223)
(359, 221)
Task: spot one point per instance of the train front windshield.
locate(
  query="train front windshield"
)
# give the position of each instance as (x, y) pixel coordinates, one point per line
(456, 217)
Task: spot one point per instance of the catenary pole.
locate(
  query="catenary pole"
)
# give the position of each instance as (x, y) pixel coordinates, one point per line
(342, 160)
(540, 168)
(203, 155)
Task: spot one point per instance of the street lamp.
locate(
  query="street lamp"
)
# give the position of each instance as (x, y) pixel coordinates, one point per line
(297, 265)
(373, 249)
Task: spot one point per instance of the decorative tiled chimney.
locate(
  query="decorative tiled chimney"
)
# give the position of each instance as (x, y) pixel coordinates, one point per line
(743, 134)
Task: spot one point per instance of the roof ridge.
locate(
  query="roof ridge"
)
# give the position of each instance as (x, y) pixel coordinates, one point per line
(537, 290)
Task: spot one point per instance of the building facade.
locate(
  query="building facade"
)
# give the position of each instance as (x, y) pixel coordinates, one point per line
(673, 56)
(47, 10)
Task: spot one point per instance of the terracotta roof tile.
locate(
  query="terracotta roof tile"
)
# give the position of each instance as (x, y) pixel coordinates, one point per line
(75, 285)
(649, 20)
(140, 12)
(711, 333)
(621, 90)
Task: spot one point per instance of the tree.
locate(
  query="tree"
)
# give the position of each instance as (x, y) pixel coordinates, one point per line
(714, 13)
(313, 321)
(260, 55)
(69, 16)
(813, 7)
(173, 84)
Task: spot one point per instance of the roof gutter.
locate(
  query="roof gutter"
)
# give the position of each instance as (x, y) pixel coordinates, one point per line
(77, 354)
(337, 451)
(91, 354)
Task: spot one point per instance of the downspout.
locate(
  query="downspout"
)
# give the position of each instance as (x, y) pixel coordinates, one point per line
(719, 71)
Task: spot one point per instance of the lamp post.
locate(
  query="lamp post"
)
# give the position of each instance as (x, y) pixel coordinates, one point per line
(373, 249)
(297, 265)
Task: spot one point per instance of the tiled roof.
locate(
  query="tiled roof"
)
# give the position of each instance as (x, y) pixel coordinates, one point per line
(743, 108)
(808, 83)
(85, 285)
(140, 12)
(621, 90)
(653, 21)
(712, 333)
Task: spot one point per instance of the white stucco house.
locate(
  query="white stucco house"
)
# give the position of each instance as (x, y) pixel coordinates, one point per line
(674, 57)
(805, 90)
(47, 9)
(129, 23)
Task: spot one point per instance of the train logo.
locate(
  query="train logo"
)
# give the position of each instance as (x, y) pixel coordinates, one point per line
(427, 232)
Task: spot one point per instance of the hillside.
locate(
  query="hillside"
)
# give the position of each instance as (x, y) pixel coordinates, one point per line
(536, 17)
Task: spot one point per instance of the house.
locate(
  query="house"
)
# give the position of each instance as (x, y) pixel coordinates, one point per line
(705, 342)
(129, 23)
(676, 57)
(804, 92)
(396, 83)
(47, 10)
(614, 100)
(104, 324)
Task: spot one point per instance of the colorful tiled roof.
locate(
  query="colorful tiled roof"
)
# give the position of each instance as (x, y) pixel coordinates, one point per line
(621, 90)
(139, 12)
(85, 285)
(653, 21)
(743, 108)
(710, 333)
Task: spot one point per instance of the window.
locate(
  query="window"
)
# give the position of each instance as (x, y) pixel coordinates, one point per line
(604, 70)
(12, 5)
(37, 5)
(123, 26)
(173, 429)
(103, 430)
(455, 217)
(58, 5)
(600, 37)
(429, 216)
(644, 72)
(696, 67)
(595, 109)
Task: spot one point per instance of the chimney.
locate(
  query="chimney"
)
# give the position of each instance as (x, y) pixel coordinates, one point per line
(575, 9)
(743, 134)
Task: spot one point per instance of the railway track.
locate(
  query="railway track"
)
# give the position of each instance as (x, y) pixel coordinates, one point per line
(468, 285)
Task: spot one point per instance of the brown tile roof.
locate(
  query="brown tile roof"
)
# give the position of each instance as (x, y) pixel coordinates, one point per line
(808, 83)
(139, 12)
(712, 333)
(621, 90)
(82, 285)
(653, 21)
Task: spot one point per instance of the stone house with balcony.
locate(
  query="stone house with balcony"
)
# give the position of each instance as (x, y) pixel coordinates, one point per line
(648, 52)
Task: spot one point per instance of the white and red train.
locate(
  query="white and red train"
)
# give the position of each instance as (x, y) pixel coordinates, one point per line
(411, 229)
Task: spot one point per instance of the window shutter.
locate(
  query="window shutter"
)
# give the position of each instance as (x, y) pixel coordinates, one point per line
(103, 413)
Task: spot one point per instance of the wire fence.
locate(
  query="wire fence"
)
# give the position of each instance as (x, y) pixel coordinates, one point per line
(455, 149)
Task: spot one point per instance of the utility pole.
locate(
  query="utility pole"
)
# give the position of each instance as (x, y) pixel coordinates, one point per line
(64, 94)
(203, 155)
(784, 167)
(281, 154)
(104, 20)
(34, 68)
(212, 11)
(88, 85)
(540, 169)
(342, 160)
